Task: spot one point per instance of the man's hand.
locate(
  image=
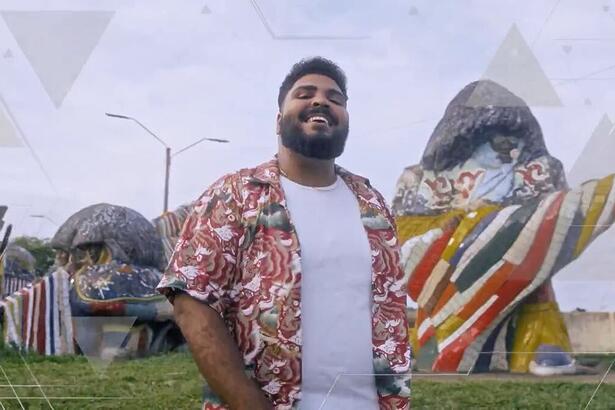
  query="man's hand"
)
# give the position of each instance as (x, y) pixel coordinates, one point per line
(216, 355)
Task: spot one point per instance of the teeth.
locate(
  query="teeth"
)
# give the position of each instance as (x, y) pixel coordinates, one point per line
(319, 119)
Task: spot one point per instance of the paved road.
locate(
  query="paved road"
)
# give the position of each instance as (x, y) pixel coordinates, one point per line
(579, 378)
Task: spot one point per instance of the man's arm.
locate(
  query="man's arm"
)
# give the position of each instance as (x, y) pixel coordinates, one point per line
(216, 354)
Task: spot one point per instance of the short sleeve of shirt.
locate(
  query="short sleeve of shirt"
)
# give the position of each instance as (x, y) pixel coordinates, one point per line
(204, 261)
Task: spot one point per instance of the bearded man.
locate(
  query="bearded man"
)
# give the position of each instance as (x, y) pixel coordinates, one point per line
(286, 279)
(486, 219)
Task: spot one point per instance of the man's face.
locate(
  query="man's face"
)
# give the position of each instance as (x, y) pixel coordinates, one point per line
(313, 120)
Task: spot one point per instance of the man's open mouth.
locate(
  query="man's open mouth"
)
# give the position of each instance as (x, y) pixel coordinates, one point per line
(319, 118)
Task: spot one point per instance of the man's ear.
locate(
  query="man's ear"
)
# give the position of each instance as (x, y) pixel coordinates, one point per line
(278, 119)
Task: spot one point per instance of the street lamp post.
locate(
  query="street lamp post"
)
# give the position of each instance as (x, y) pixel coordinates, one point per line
(45, 217)
(168, 154)
(167, 173)
(41, 216)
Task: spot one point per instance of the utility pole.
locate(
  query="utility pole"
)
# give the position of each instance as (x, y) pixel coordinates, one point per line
(168, 154)
(166, 179)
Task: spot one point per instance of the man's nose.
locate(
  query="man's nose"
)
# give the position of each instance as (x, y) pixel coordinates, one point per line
(320, 100)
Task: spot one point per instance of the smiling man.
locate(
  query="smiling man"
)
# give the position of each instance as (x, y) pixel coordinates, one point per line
(286, 279)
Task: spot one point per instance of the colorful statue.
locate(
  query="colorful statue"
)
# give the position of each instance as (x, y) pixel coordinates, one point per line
(169, 226)
(4, 243)
(108, 262)
(18, 266)
(486, 219)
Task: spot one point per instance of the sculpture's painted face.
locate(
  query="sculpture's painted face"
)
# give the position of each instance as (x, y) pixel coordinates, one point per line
(485, 156)
(491, 165)
(500, 150)
(82, 256)
(507, 147)
(491, 174)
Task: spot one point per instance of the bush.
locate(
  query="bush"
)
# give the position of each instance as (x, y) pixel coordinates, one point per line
(40, 249)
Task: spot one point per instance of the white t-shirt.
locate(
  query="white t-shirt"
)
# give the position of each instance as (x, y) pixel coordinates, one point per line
(336, 298)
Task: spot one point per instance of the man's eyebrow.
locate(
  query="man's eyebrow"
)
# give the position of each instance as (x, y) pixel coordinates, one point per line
(333, 91)
(308, 87)
(305, 88)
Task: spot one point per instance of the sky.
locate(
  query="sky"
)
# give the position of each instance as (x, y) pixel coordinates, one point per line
(191, 69)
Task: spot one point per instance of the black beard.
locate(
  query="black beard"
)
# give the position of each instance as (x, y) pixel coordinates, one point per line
(318, 146)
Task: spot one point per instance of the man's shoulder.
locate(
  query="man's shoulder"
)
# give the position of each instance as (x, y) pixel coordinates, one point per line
(352, 177)
(360, 185)
(233, 182)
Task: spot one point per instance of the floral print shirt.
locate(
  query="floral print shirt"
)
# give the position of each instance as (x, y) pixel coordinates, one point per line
(239, 253)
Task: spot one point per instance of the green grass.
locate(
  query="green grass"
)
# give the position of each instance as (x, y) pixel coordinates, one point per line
(510, 395)
(173, 382)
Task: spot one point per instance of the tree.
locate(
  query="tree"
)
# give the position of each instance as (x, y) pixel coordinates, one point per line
(40, 249)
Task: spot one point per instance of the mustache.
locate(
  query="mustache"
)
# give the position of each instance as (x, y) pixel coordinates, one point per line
(324, 111)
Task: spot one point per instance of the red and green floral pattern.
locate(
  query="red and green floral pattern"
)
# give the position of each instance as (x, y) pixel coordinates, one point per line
(239, 253)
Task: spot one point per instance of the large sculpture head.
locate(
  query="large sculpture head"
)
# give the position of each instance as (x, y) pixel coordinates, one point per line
(17, 268)
(488, 147)
(100, 233)
(18, 261)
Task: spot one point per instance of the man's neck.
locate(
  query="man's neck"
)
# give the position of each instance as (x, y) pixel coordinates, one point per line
(306, 171)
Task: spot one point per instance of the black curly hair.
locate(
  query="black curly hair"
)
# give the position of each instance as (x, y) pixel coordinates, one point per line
(313, 65)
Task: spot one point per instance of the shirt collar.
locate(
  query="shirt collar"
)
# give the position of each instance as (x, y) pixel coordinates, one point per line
(268, 173)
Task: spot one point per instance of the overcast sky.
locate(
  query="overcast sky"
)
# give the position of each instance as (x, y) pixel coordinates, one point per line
(210, 68)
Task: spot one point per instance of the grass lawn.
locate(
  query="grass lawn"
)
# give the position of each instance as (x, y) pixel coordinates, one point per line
(172, 382)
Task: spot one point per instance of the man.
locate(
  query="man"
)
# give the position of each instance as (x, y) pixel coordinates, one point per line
(300, 259)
